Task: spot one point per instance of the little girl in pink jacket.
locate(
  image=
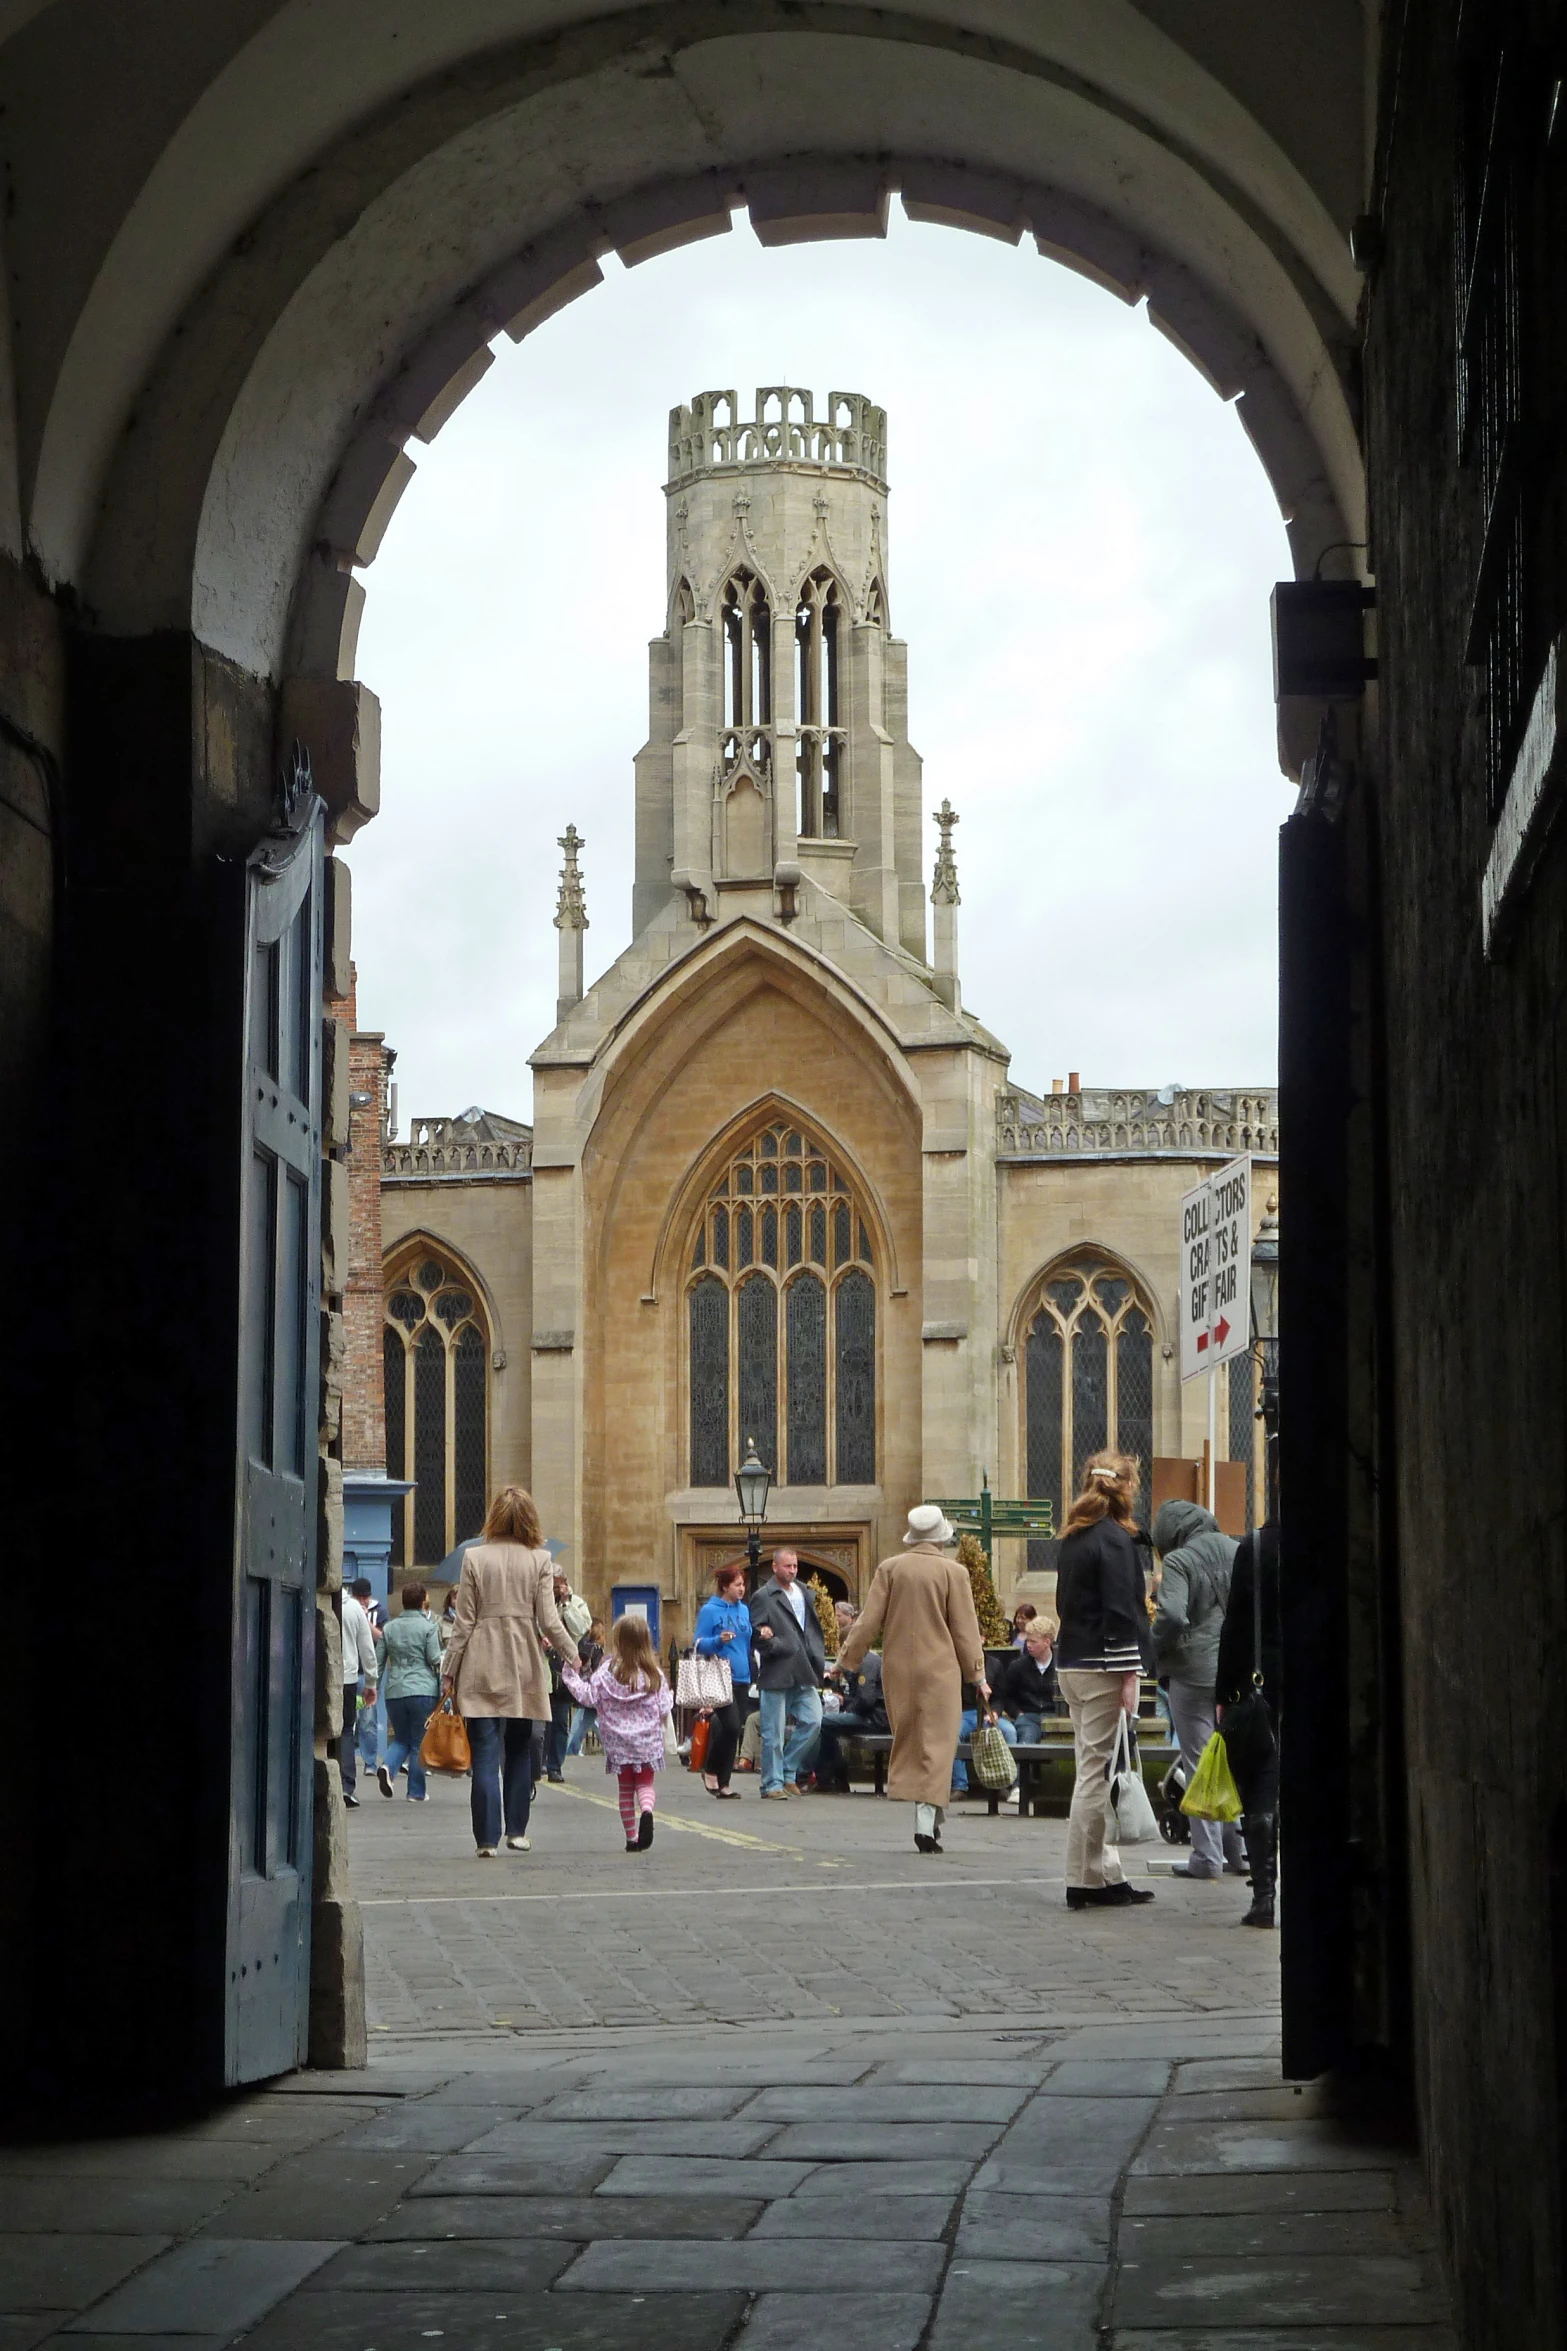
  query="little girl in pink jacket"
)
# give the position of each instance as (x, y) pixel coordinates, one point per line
(633, 1703)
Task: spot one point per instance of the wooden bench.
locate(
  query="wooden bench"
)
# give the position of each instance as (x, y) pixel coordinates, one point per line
(1034, 1760)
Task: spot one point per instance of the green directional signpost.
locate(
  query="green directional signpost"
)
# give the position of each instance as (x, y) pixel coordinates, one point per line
(991, 1518)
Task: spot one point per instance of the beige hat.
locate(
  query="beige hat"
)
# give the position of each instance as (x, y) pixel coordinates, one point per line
(928, 1524)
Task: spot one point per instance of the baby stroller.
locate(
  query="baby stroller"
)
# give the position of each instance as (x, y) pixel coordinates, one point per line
(1174, 1826)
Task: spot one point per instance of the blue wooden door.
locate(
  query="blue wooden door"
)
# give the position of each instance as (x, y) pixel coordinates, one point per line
(268, 1939)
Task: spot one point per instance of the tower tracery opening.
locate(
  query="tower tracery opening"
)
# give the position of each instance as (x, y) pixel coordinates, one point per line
(817, 620)
(781, 1318)
(748, 672)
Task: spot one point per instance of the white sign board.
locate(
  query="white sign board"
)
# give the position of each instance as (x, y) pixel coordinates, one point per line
(1216, 1269)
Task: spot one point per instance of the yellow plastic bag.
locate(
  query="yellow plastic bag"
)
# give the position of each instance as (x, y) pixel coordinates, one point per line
(1213, 1794)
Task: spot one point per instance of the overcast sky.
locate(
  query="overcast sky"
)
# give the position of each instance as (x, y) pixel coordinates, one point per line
(1082, 545)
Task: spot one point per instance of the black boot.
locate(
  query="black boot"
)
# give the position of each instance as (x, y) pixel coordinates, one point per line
(1262, 1851)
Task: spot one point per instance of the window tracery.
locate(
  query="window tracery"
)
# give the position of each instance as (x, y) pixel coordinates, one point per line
(435, 1347)
(1088, 1378)
(781, 1318)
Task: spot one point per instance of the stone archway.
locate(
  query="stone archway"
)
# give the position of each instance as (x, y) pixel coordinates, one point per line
(300, 244)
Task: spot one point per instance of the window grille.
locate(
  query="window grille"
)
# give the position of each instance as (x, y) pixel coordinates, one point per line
(759, 1364)
(1088, 1379)
(429, 1369)
(854, 1303)
(1243, 1425)
(807, 1368)
(709, 1382)
(469, 1498)
(435, 1344)
(1134, 1399)
(758, 1353)
(394, 1357)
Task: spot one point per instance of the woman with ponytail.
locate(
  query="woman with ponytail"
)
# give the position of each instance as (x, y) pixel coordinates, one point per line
(1101, 1654)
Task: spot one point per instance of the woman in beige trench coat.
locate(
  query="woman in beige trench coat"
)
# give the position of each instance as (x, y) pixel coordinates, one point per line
(494, 1664)
(921, 1608)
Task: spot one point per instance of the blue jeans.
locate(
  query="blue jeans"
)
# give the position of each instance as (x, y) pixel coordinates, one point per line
(791, 1726)
(966, 1721)
(502, 1776)
(583, 1720)
(405, 1721)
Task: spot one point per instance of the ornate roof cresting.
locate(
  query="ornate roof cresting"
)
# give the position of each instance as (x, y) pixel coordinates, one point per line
(571, 907)
(944, 883)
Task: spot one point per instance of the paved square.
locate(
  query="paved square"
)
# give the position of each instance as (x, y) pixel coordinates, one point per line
(779, 2080)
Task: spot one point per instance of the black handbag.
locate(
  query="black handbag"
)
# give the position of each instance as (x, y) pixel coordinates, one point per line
(1248, 1730)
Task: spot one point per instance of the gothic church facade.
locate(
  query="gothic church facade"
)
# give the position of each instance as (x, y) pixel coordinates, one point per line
(781, 1187)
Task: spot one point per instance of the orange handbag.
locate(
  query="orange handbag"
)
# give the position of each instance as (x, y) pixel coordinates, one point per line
(444, 1746)
(699, 1738)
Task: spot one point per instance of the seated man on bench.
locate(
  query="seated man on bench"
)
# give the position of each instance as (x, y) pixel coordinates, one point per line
(1022, 1692)
(863, 1710)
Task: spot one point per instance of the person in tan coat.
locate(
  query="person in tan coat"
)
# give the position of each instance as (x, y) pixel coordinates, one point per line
(494, 1664)
(921, 1608)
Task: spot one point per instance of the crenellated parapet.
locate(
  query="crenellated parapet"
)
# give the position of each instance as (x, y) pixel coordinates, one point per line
(1119, 1122)
(850, 436)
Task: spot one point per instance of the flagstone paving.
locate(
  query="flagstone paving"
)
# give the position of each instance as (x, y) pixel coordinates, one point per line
(772, 2088)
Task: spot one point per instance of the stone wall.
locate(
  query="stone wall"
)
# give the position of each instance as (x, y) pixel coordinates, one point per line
(1477, 1115)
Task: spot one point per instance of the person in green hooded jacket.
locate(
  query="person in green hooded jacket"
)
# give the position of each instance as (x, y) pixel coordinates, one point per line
(1194, 1589)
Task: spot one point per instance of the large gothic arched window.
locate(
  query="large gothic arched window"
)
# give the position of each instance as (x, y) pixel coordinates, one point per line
(1087, 1378)
(781, 1319)
(436, 1350)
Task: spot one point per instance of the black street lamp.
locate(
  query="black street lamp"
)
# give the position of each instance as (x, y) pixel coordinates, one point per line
(1265, 1343)
(753, 1484)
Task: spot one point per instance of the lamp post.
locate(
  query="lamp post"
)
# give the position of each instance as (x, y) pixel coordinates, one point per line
(753, 1484)
(1265, 1345)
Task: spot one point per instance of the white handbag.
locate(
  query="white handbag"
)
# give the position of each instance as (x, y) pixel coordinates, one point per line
(1135, 1820)
(703, 1682)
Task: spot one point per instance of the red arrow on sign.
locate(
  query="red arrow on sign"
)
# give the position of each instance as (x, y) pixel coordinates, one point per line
(1202, 1341)
(1221, 1330)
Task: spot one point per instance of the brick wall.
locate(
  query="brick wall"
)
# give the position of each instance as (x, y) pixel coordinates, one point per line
(370, 1061)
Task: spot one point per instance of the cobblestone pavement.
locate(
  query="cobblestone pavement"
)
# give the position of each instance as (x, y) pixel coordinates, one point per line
(816, 1908)
(778, 2085)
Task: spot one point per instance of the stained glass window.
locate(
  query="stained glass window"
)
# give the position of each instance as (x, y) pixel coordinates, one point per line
(757, 1330)
(1088, 1381)
(436, 1345)
(854, 1331)
(761, 1365)
(709, 1382)
(807, 1361)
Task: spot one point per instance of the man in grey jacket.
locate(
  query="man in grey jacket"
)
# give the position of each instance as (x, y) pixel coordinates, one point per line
(1194, 1588)
(791, 1664)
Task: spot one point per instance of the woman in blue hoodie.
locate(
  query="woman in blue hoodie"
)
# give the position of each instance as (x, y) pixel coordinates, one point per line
(723, 1629)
